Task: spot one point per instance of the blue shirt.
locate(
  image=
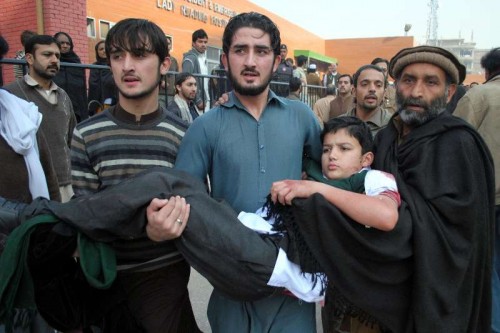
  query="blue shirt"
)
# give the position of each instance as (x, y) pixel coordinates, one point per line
(243, 156)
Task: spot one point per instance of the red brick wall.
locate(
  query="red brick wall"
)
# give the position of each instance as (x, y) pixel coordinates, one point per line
(59, 15)
(15, 16)
(70, 17)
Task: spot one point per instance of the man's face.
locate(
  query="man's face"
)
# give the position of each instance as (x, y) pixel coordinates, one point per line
(332, 68)
(344, 86)
(137, 74)
(200, 45)
(44, 63)
(63, 40)
(422, 93)
(250, 61)
(342, 155)
(283, 53)
(370, 89)
(187, 90)
(383, 66)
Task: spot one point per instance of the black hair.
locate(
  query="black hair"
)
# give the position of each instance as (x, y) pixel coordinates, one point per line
(4, 47)
(31, 43)
(377, 60)
(330, 90)
(181, 77)
(198, 34)
(356, 75)
(295, 83)
(345, 75)
(355, 127)
(137, 36)
(96, 47)
(25, 35)
(251, 20)
(301, 60)
(57, 34)
(491, 61)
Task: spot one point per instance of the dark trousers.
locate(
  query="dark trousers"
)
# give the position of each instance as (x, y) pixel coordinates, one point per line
(159, 299)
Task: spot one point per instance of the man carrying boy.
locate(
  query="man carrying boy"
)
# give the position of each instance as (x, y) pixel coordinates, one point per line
(432, 273)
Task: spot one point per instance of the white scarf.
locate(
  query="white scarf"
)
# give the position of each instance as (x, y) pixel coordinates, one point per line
(184, 107)
(19, 122)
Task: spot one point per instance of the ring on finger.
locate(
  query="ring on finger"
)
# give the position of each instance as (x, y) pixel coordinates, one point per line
(178, 221)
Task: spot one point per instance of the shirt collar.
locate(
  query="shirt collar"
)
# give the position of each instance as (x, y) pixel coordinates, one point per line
(32, 82)
(377, 116)
(233, 101)
(123, 115)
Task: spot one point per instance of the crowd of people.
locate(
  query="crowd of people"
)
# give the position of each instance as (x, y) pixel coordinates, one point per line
(380, 201)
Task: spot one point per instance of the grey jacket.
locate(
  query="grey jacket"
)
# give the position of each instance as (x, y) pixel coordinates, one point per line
(191, 65)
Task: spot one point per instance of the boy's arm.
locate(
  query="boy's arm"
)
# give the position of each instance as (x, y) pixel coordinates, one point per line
(379, 211)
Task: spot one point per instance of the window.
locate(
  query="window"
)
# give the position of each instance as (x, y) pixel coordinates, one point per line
(90, 27)
(213, 57)
(104, 27)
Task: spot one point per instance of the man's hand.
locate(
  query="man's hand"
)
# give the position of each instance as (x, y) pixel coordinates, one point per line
(167, 218)
(222, 99)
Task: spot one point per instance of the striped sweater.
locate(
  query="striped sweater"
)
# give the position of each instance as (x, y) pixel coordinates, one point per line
(111, 147)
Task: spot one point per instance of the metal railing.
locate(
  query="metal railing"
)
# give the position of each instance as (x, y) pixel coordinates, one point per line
(217, 83)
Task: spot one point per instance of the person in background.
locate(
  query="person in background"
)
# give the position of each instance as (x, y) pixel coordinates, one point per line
(322, 106)
(389, 102)
(102, 88)
(42, 56)
(345, 99)
(331, 77)
(182, 104)
(369, 87)
(195, 62)
(295, 89)
(27, 173)
(72, 79)
(19, 69)
(480, 107)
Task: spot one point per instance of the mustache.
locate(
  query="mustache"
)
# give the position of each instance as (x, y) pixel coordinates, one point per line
(414, 101)
(249, 71)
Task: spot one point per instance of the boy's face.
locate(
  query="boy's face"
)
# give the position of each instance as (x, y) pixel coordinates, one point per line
(342, 155)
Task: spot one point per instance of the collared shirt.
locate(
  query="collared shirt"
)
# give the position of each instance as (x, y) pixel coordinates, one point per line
(244, 156)
(50, 95)
(378, 120)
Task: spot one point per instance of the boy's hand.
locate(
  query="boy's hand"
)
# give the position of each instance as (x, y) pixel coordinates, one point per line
(167, 218)
(286, 190)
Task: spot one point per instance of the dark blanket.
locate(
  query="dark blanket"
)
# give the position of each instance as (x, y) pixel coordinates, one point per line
(233, 258)
(432, 272)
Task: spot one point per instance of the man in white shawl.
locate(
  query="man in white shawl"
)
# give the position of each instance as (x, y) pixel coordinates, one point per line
(183, 104)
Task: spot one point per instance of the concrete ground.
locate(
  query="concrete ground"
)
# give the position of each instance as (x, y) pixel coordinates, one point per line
(199, 292)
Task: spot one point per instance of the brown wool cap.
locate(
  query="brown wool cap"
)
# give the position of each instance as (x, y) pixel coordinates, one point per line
(428, 54)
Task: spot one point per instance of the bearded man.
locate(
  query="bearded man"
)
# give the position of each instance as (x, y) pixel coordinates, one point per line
(432, 273)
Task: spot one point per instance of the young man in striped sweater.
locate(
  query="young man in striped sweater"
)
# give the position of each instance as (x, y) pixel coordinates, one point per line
(132, 136)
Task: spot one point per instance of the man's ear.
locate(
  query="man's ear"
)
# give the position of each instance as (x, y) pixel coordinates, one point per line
(451, 91)
(277, 61)
(367, 159)
(224, 61)
(29, 58)
(165, 65)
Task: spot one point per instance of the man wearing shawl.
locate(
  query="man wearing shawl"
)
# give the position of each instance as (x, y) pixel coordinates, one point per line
(432, 273)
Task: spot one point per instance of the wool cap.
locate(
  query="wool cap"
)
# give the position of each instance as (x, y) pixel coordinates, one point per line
(283, 47)
(431, 55)
(312, 66)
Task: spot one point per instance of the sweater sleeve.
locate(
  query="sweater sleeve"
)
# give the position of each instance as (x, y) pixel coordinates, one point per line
(84, 178)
